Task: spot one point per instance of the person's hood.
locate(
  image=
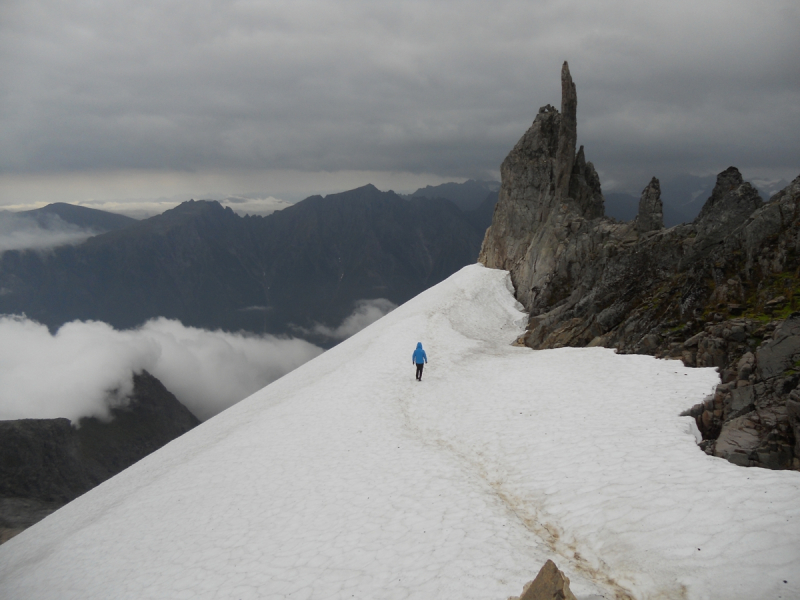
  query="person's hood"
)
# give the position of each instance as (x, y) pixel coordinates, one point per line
(419, 345)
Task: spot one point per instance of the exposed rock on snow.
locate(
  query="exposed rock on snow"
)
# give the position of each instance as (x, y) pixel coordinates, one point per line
(550, 584)
(697, 292)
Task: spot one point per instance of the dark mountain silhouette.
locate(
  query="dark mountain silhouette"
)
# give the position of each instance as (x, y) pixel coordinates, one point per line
(686, 194)
(481, 217)
(85, 218)
(466, 196)
(45, 463)
(475, 198)
(208, 267)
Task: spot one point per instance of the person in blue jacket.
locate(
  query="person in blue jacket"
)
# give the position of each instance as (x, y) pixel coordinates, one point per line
(419, 358)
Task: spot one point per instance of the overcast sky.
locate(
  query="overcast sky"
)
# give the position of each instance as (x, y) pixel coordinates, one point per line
(127, 102)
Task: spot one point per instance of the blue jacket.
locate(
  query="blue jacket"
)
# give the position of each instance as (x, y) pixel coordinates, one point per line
(419, 355)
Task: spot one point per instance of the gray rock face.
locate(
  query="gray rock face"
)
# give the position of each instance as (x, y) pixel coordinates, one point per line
(41, 459)
(731, 203)
(738, 439)
(793, 414)
(741, 400)
(567, 133)
(651, 209)
(780, 353)
(546, 191)
(698, 292)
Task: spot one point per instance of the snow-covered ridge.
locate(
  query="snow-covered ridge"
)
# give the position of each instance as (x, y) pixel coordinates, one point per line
(348, 479)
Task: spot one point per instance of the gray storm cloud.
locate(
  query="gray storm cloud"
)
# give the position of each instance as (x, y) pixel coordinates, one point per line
(434, 87)
(85, 367)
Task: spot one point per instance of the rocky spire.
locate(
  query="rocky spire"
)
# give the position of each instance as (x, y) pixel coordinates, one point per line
(651, 209)
(546, 189)
(727, 181)
(567, 133)
(584, 188)
(731, 202)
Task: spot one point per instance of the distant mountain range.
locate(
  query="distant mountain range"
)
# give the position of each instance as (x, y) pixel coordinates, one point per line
(98, 221)
(55, 225)
(308, 264)
(208, 267)
(468, 196)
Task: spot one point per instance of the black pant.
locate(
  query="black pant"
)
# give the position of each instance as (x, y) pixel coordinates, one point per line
(419, 370)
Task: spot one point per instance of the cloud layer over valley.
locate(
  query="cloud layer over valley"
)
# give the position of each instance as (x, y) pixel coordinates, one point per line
(365, 313)
(86, 366)
(22, 232)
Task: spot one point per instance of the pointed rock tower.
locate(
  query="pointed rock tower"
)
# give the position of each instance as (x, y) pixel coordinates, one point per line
(546, 188)
(651, 209)
(700, 292)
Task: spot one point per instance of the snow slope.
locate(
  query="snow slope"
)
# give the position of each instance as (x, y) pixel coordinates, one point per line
(349, 479)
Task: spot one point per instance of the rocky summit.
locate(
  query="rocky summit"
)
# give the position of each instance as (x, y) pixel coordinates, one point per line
(722, 291)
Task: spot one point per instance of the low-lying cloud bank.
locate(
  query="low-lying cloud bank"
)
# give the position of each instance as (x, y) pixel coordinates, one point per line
(366, 313)
(23, 232)
(86, 367)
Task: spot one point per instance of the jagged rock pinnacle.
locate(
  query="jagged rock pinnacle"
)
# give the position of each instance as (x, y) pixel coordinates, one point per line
(651, 209)
(568, 132)
(586, 280)
(546, 189)
(731, 202)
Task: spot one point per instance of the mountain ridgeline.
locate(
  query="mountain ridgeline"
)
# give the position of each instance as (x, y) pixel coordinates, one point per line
(722, 291)
(99, 221)
(208, 267)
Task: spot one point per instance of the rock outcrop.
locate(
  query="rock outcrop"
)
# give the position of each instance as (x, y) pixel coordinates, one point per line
(709, 293)
(651, 209)
(550, 584)
(45, 463)
(536, 207)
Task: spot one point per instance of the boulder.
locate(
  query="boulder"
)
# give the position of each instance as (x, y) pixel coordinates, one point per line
(550, 584)
(741, 401)
(737, 440)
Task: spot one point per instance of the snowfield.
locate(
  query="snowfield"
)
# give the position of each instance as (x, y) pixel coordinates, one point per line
(349, 479)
